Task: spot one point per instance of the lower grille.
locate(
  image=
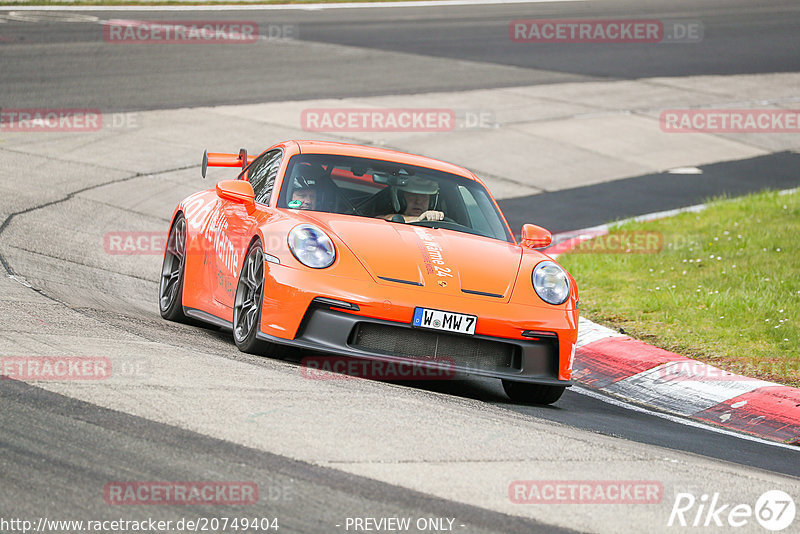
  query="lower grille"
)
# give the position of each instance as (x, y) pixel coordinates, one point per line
(466, 351)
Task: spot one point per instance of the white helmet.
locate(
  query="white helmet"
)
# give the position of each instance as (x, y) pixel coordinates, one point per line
(416, 185)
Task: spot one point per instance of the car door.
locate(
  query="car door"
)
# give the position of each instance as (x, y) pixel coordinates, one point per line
(233, 227)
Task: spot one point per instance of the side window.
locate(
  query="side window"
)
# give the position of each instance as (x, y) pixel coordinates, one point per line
(482, 214)
(262, 173)
(476, 217)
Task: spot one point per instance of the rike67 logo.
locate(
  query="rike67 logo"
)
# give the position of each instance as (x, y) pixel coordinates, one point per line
(774, 510)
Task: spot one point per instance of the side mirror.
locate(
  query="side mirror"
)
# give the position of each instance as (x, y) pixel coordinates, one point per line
(237, 191)
(535, 236)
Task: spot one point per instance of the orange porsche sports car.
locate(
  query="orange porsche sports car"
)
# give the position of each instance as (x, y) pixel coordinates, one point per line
(369, 253)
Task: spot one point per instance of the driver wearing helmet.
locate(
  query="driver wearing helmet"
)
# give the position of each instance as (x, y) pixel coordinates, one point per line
(416, 195)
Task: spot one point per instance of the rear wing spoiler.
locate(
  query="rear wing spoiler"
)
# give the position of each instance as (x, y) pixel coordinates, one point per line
(218, 159)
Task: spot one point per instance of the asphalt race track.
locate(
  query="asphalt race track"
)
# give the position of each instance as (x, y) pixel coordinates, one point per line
(573, 143)
(458, 48)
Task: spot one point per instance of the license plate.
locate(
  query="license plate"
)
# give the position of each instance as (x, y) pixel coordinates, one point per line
(442, 320)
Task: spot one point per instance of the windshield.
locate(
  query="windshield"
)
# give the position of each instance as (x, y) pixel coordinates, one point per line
(398, 193)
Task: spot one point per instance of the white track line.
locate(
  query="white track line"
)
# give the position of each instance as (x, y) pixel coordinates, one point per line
(286, 7)
(680, 420)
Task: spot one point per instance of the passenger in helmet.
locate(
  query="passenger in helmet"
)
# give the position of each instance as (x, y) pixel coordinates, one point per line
(304, 191)
(304, 198)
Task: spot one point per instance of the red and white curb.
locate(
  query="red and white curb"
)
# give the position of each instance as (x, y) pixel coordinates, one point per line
(632, 370)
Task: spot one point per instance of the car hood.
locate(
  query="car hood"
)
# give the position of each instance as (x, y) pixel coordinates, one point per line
(446, 261)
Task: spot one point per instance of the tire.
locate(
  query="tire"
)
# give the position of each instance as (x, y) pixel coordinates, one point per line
(247, 305)
(532, 393)
(170, 288)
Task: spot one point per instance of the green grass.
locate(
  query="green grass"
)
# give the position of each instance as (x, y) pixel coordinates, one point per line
(725, 288)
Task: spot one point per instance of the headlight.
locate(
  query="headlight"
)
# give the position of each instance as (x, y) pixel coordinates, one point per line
(551, 283)
(311, 246)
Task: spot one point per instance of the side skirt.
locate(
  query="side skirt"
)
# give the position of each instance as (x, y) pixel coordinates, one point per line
(206, 317)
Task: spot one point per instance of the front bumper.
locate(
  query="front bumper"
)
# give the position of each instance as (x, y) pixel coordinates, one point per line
(337, 332)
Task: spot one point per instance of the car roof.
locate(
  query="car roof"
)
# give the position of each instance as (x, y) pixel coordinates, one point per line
(347, 149)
